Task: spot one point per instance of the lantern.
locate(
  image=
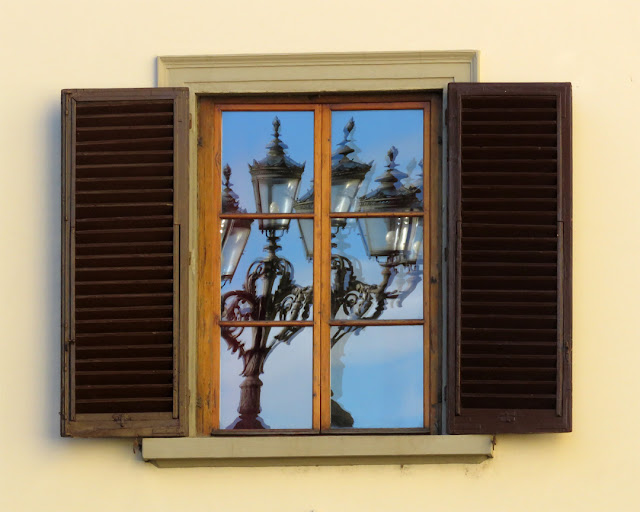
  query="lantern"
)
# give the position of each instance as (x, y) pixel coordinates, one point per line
(388, 237)
(275, 180)
(234, 233)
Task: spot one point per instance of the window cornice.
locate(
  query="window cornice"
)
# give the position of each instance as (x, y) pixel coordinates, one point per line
(317, 72)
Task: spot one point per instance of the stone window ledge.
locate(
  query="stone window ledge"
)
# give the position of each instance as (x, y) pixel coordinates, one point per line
(316, 450)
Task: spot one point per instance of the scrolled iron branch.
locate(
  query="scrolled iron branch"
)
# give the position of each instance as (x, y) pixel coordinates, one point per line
(288, 302)
(355, 299)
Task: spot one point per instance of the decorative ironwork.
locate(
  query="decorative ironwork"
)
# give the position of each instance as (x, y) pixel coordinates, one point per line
(269, 291)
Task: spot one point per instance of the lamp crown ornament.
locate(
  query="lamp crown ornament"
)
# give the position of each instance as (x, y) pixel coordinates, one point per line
(277, 158)
(342, 165)
(230, 203)
(391, 194)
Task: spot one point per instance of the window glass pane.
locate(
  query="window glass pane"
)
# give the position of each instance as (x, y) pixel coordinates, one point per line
(282, 396)
(376, 153)
(377, 377)
(377, 269)
(270, 156)
(273, 277)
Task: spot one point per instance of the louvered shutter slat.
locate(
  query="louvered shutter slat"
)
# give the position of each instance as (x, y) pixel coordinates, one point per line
(509, 266)
(125, 183)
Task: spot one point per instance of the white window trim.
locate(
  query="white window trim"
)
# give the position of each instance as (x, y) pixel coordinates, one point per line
(306, 73)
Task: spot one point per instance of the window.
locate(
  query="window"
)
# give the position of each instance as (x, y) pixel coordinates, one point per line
(137, 276)
(325, 206)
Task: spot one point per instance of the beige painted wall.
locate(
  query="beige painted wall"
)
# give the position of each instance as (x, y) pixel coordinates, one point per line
(47, 46)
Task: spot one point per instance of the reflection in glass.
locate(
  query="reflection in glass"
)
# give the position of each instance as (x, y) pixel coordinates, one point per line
(391, 237)
(412, 254)
(377, 378)
(275, 181)
(271, 272)
(364, 288)
(305, 205)
(282, 397)
(347, 174)
(372, 133)
(269, 181)
(388, 237)
(234, 233)
(264, 287)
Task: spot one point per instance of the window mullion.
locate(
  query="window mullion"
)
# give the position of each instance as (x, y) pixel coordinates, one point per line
(324, 260)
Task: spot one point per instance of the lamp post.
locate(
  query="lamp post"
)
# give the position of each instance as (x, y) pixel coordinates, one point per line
(269, 292)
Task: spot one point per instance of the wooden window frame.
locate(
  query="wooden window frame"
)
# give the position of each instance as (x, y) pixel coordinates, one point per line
(208, 337)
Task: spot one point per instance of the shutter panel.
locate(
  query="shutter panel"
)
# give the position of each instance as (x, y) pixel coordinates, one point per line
(124, 262)
(509, 355)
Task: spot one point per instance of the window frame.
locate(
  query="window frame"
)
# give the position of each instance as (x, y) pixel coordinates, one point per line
(308, 74)
(210, 110)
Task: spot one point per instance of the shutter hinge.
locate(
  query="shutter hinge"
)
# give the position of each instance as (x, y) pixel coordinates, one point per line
(121, 419)
(440, 140)
(446, 254)
(190, 120)
(200, 143)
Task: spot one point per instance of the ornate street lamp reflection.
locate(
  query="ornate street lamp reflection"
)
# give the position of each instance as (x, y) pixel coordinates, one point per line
(347, 176)
(269, 291)
(234, 233)
(275, 180)
(387, 238)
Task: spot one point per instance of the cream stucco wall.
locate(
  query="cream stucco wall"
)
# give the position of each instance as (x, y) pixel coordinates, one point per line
(47, 46)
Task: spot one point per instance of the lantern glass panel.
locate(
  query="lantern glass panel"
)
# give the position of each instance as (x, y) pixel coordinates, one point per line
(413, 251)
(235, 234)
(306, 236)
(343, 194)
(275, 195)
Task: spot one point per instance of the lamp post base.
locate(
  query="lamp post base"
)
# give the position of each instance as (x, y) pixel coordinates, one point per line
(248, 422)
(339, 416)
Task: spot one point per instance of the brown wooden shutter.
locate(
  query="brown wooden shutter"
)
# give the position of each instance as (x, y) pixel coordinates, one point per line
(124, 262)
(509, 259)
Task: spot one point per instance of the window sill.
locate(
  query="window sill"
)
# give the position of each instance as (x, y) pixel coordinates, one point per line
(316, 450)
